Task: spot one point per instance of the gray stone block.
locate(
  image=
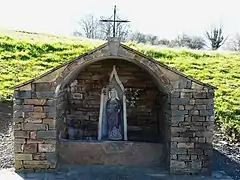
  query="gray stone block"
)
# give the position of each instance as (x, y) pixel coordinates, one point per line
(204, 101)
(179, 112)
(24, 94)
(45, 94)
(32, 126)
(200, 95)
(199, 118)
(28, 108)
(180, 101)
(46, 147)
(50, 134)
(208, 112)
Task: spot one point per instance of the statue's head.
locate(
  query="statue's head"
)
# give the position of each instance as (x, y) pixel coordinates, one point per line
(113, 94)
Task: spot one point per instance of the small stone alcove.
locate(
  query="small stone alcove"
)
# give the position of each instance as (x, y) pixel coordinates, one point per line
(170, 116)
(147, 111)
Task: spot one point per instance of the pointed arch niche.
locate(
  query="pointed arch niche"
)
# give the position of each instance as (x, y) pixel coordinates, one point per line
(103, 127)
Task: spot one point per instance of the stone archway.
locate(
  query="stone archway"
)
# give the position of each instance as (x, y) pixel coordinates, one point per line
(154, 129)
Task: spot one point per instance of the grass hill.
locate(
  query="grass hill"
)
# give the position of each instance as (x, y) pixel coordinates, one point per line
(24, 55)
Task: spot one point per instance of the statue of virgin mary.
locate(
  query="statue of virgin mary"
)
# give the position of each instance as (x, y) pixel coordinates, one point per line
(114, 116)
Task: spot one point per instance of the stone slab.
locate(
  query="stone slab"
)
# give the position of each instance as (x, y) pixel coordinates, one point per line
(112, 153)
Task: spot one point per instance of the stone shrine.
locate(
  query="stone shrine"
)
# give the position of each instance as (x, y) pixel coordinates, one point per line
(114, 106)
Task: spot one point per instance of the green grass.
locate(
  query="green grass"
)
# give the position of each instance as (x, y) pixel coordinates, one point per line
(25, 55)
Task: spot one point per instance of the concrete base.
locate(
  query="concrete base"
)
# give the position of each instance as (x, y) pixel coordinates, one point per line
(111, 153)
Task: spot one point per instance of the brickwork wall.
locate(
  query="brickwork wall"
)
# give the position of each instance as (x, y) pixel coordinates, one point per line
(34, 127)
(191, 131)
(84, 101)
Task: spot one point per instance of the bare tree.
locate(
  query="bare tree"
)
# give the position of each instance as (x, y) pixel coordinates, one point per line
(138, 37)
(216, 37)
(122, 30)
(89, 27)
(234, 43)
(92, 28)
(192, 42)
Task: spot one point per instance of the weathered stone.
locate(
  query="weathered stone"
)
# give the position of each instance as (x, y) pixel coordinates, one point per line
(186, 95)
(195, 151)
(38, 109)
(23, 94)
(195, 164)
(45, 94)
(36, 115)
(200, 106)
(49, 121)
(18, 147)
(178, 164)
(46, 147)
(175, 94)
(194, 112)
(28, 108)
(32, 126)
(196, 86)
(185, 145)
(33, 135)
(177, 118)
(179, 112)
(30, 148)
(181, 107)
(194, 157)
(204, 101)
(179, 101)
(178, 151)
(210, 118)
(18, 114)
(189, 107)
(23, 156)
(184, 157)
(18, 101)
(180, 139)
(19, 141)
(18, 120)
(33, 120)
(174, 107)
(39, 156)
(34, 141)
(200, 95)
(21, 134)
(38, 102)
(18, 164)
(206, 112)
(50, 134)
(34, 164)
(198, 118)
(18, 126)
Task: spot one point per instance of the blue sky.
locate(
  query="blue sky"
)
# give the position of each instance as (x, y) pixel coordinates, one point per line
(165, 18)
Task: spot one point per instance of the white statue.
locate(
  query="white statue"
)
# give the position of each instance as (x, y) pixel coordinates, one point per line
(112, 118)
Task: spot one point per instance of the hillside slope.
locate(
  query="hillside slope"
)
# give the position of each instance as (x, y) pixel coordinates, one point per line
(25, 55)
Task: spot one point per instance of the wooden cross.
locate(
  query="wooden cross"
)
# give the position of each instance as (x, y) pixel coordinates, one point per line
(114, 21)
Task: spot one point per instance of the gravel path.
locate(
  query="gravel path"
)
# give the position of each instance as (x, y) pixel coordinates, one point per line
(6, 136)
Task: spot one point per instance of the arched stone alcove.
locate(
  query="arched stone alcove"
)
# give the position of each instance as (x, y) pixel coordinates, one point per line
(147, 105)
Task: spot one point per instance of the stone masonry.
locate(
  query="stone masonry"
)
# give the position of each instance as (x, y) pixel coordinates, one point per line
(40, 103)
